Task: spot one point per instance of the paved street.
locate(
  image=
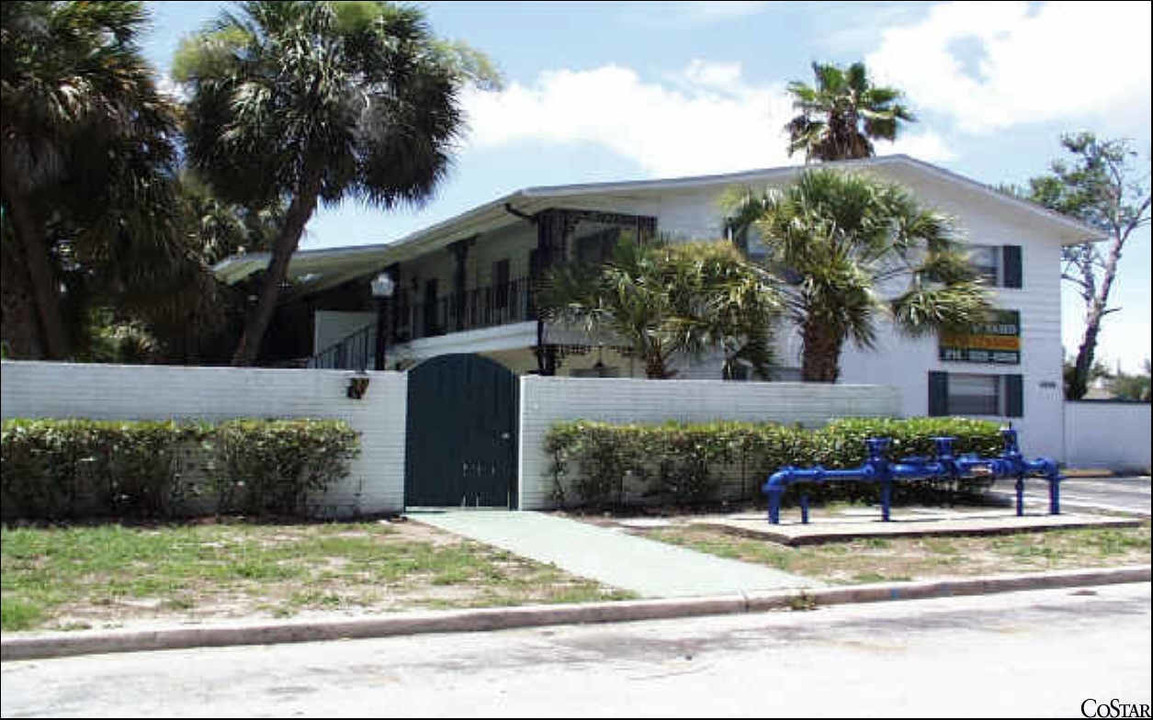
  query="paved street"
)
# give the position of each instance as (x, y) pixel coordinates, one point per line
(1038, 653)
(1122, 494)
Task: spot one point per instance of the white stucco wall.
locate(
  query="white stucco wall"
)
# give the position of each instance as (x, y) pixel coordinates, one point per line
(547, 400)
(138, 392)
(1107, 434)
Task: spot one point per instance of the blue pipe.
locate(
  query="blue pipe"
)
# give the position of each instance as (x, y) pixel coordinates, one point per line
(946, 465)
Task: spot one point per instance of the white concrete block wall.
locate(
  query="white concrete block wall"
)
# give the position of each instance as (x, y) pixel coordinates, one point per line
(139, 392)
(548, 400)
(1107, 434)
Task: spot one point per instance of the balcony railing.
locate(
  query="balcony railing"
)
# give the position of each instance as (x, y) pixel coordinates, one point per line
(474, 309)
(355, 352)
(504, 304)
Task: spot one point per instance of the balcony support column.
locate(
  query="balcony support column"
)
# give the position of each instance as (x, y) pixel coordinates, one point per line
(393, 271)
(459, 250)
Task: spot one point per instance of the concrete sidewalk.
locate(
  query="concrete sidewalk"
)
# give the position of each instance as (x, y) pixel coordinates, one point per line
(649, 568)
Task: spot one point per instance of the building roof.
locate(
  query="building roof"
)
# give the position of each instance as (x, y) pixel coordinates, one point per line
(326, 267)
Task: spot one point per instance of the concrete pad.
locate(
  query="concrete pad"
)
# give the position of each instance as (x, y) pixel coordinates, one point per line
(612, 556)
(1087, 473)
(905, 524)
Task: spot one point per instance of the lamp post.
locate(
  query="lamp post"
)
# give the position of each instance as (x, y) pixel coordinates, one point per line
(382, 287)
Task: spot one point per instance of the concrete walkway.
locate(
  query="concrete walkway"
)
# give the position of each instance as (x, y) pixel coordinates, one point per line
(647, 567)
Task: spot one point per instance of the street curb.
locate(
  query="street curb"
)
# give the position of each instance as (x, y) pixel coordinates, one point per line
(63, 644)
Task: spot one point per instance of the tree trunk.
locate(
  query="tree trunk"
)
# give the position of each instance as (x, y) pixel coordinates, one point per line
(285, 245)
(34, 248)
(1096, 311)
(820, 360)
(655, 367)
(656, 362)
(19, 330)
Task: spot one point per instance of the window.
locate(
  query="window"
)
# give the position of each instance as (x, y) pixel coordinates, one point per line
(973, 394)
(985, 261)
(999, 265)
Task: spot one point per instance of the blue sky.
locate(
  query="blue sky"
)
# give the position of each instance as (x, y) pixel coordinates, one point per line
(608, 91)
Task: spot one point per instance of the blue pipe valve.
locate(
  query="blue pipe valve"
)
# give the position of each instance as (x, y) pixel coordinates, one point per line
(945, 466)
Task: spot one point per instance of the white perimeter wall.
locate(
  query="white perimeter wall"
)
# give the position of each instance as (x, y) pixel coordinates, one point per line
(547, 400)
(156, 392)
(1107, 434)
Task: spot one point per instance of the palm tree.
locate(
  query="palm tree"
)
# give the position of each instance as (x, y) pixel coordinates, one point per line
(86, 156)
(839, 241)
(318, 102)
(843, 114)
(662, 300)
(720, 300)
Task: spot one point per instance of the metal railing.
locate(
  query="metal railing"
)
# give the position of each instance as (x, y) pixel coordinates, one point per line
(511, 302)
(484, 307)
(355, 352)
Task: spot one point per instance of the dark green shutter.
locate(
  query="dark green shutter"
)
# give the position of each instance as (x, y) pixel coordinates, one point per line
(1011, 260)
(1014, 396)
(938, 394)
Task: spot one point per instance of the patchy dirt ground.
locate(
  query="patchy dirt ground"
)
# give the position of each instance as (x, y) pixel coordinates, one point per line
(880, 559)
(110, 576)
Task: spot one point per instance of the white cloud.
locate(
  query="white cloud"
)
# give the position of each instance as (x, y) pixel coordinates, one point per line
(706, 119)
(703, 12)
(1033, 64)
(926, 145)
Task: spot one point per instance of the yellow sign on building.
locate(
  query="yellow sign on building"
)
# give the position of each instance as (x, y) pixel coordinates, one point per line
(997, 341)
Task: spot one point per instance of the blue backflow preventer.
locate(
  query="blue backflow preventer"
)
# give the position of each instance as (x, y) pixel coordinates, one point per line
(946, 466)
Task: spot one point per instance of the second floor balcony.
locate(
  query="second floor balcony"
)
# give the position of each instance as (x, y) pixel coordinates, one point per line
(475, 309)
(483, 307)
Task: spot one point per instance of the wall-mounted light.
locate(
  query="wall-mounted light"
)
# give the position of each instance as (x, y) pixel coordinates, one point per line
(357, 386)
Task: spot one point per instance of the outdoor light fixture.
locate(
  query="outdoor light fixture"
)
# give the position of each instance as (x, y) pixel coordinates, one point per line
(382, 287)
(357, 386)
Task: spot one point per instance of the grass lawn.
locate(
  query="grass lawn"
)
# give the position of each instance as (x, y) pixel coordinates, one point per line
(110, 575)
(881, 559)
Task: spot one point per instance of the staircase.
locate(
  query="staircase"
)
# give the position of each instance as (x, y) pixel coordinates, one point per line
(355, 352)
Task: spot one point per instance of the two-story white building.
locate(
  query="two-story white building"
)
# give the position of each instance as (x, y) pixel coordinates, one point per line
(464, 286)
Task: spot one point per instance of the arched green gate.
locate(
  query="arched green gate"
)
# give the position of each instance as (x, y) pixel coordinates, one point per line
(461, 433)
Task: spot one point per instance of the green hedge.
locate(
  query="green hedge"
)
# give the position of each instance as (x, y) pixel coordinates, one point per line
(69, 469)
(687, 463)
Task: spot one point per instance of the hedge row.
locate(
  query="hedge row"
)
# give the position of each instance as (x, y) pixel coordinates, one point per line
(687, 463)
(68, 469)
